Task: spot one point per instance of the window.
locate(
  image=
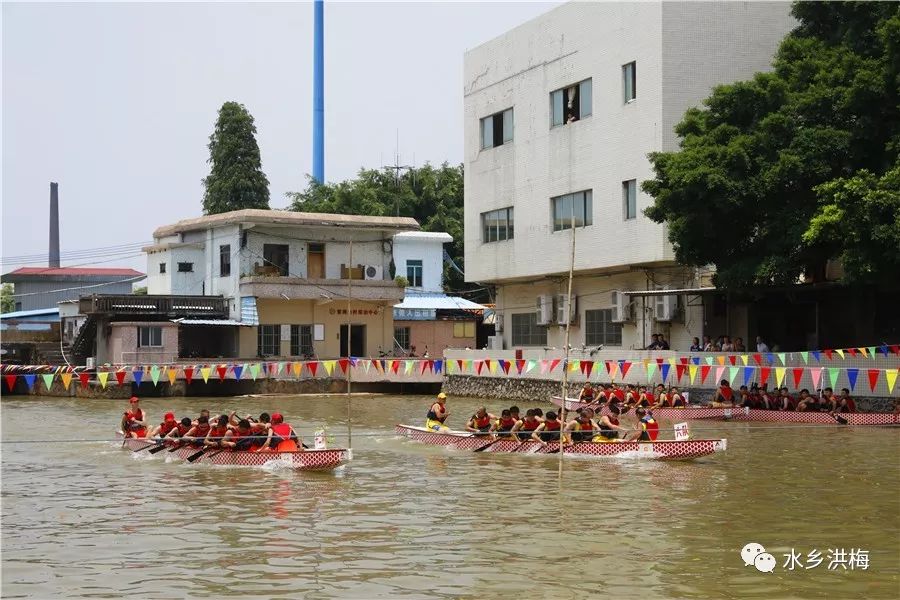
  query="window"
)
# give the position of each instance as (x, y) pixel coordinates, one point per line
(401, 337)
(301, 340)
(570, 104)
(525, 330)
(465, 329)
(629, 198)
(276, 256)
(497, 225)
(414, 273)
(315, 261)
(268, 340)
(578, 204)
(497, 129)
(185, 267)
(149, 337)
(162, 267)
(600, 329)
(629, 81)
(225, 260)
(18, 306)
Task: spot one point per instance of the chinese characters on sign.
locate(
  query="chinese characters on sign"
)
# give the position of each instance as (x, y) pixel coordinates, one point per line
(835, 559)
(353, 311)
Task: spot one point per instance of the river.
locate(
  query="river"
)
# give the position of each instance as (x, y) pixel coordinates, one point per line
(404, 520)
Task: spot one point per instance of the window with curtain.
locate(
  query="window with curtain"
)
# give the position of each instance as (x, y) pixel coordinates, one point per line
(571, 103)
(579, 205)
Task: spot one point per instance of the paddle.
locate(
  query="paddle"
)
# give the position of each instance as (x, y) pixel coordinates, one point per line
(488, 445)
(159, 448)
(840, 419)
(197, 455)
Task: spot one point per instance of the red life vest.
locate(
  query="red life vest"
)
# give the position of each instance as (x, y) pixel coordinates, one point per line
(201, 430)
(282, 430)
(620, 394)
(481, 422)
(587, 395)
(505, 424)
(726, 392)
(530, 425)
(134, 415)
(552, 425)
(217, 432)
(651, 427)
(166, 426)
(183, 429)
(258, 428)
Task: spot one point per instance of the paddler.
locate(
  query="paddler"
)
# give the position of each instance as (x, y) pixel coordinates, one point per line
(587, 393)
(133, 423)
(608, 426)
(438, 414)
(631, 395)
(549, 430)
(180, 430)
(846, 403)
(198, 431)
(524, 428)
(503, 426)
(615, 395)
(649, 428)
(582, 428)
(724, 394)
(676, 399)
(241, 437)
(481, 422)
(163, 429)
(281, 437)
(645, 398)
(217, 432)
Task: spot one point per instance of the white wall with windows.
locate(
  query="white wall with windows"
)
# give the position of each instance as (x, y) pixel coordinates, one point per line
(421, 253)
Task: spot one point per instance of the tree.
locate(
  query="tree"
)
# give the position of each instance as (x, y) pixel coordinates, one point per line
(431, 195)
(7, 301)
(236, 180)
(770, 170)
(140, 291)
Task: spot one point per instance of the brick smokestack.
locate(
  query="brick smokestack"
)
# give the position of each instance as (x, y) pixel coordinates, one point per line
(54, 225)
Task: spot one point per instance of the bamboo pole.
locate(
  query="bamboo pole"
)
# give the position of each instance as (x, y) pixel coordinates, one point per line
(349, 330)
(565, 375)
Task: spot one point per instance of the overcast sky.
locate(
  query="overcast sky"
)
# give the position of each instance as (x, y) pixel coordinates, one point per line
(116, 103)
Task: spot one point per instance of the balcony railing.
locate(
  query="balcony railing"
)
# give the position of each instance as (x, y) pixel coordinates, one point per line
(153, 305)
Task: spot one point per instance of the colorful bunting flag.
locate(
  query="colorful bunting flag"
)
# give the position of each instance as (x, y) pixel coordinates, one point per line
(296, 368)
(805, 357)
(520, 364)
(189, 374)
(828, 353)
(704, 372)
(679, 371)
(138, 376)
(731, 359)
(873, 378)
(719, 372)
(720, 360)
(66, 379)
(817, 355)
(120, 377)
(797, 372)
(30, 378)
(816, 375)
(48, 380)
(664, 371)
(221, 370)
(891, 376)
(651, 368)
(312, 365)
(171, 374)
(840, 353)
(781, 357)
(553, 363)
(154, 374)
(395, 366)
(744, 359)
(709, 360)
(764, 373)
(748, 372)
(733, 373)
(624, 365)
(102, 376)
(779, 375)
(852, 374)
(871, 352)
(531, 366)
(692, 371)
(10, 382)
(204, 372)
(84, 378)
(438, 365)
(757, 358)
(344, 363)
(330, 364)
(833, 373)
(409, 366)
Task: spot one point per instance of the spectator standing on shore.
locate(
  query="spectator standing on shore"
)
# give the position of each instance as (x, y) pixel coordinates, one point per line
(707, 344)
(654, 343)
(695, 345)
(662, 344)
(761, 346)
(727, 346)
(739, 345)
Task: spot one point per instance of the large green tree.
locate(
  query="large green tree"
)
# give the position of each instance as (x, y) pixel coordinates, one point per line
(431, 195)
(7, 301)
(778, 174)
(236, 179)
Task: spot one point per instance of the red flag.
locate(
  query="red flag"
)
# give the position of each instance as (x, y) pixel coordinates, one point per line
(873, 378)
(506, 365)
(732, 360)
(84, 378)
(623, 367)
(764, 375)
(11, 382)
(120, 377)
(313, 366)
(520, 364)
(757, 358)
(798, 375)
(679, 371)
(606, 363)
(188, 374)
(828, 353)
(851, 351)
(659, 362)
(479, 364)
(895, 348)
(273, 368)
(586, 366)
(426, 364)
(684, 360)
(459, 363)
(553, 364)
(487, 363)
(343, 364)
(704, 371)
(221, 370)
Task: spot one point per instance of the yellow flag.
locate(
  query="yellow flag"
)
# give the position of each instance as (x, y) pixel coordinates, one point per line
(840, 353)
(494, 366)
(779, 375)
(298, 367)
(171, 375)
(692, 369)
(103, 376)
(721, 360)
(329, 366)
(864, 352)
(891, 375)
(744, 359)
(66, 379)
(205, 371)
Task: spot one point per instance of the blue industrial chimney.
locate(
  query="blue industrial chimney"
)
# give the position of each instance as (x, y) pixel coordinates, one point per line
(319, 93)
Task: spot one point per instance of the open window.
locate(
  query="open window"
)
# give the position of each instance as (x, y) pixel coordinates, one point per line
(275, 257)
(497, 129)
(570, 104)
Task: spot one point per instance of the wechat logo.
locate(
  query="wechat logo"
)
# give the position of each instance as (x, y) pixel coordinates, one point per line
(755, 555)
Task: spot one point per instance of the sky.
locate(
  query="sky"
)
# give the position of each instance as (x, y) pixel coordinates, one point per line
(116, 102)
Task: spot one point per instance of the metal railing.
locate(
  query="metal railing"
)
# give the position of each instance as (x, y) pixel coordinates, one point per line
(167, 305)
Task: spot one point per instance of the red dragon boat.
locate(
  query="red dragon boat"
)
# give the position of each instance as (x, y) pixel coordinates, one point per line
(305, 460)
(742, 413)
(658, 450)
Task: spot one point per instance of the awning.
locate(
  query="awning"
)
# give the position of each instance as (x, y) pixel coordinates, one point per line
(249, 314)
(227, 322)
(678, 292)
(437, 302)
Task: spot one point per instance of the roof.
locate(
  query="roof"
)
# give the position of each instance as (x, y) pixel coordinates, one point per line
(287, 217)
(210, 322)
(24, 314)
(436, 301)
(441, 236)
(25, 273)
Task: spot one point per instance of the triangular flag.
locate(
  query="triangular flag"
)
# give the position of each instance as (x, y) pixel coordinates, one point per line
(731, 359)
(330, 364)
(409, 367)
(757, 358)
(278, 367)
(138, 376)
(612, 368)
(154, 374)
(84, 378)
(797, 372)
(748, 371)
(30, 379)
(828, 353)
(487, 363)
(720, 360)
(873, 378)
(66, 379)
(840, 353)
(664, 370)
(221, 370)
(171, 374)
(719, 372)
(779, 375)
(816, 375)
(297, 369)
(744, 358)
(704, 373)
(102, 376)
(709, 360)
(544, 367)
(770, 358)
(833, 373)
(624, 365)
(851, 352)
(871, 352)
(520, 364)
(530, 366)
(606, 364)
(120, 377)
(367, 364)
(343, 364)
(764, 375)
(651, 368)
(574, 365)
(852, 374)
(817, 355)
(586, 367)
(48, 380)
(423, 365)
(438, 365)
(692, 371)
(204, 372)
(553, 363)
(781, 357)
(312, 365)
(864, 352)
(891, 376)
(695, 360)
(883, 349)
(679, 371)
(733, 373)
(505, 365)
(461, 364)
(805, 357)
(189, 374)
(10, 382)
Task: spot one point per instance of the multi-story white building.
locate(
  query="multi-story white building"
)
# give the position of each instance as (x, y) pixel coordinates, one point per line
(560, 115)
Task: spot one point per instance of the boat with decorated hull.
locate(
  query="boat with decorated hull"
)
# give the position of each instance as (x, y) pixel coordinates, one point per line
(658, 450)
(743, 413)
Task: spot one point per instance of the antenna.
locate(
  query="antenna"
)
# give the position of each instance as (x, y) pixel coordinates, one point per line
(396, 168)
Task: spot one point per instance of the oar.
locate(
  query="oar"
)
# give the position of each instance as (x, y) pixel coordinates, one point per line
(840, 419)
(197, 455)
(146, 447)
(488, 445)
(159, 448)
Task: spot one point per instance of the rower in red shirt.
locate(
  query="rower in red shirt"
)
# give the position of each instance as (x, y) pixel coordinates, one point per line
(785, 401)
(133, 423)
(217, 433)
(197, 431)
(163, 429)
(240, 438)
(481, 421)
(846, 403)
(549, 430)
(724, 393)
(281, 437)
(617, 394)
(676, 400)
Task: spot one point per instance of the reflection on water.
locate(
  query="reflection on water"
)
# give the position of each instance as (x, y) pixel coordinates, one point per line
(406, 520)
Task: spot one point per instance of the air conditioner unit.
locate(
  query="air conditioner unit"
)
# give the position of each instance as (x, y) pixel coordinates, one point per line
(373, 272)
(563, 307)
(664, 307)
(495, 342)
(544, 304)
(621, 307)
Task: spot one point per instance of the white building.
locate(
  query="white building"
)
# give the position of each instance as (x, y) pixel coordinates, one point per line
(560, 114)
